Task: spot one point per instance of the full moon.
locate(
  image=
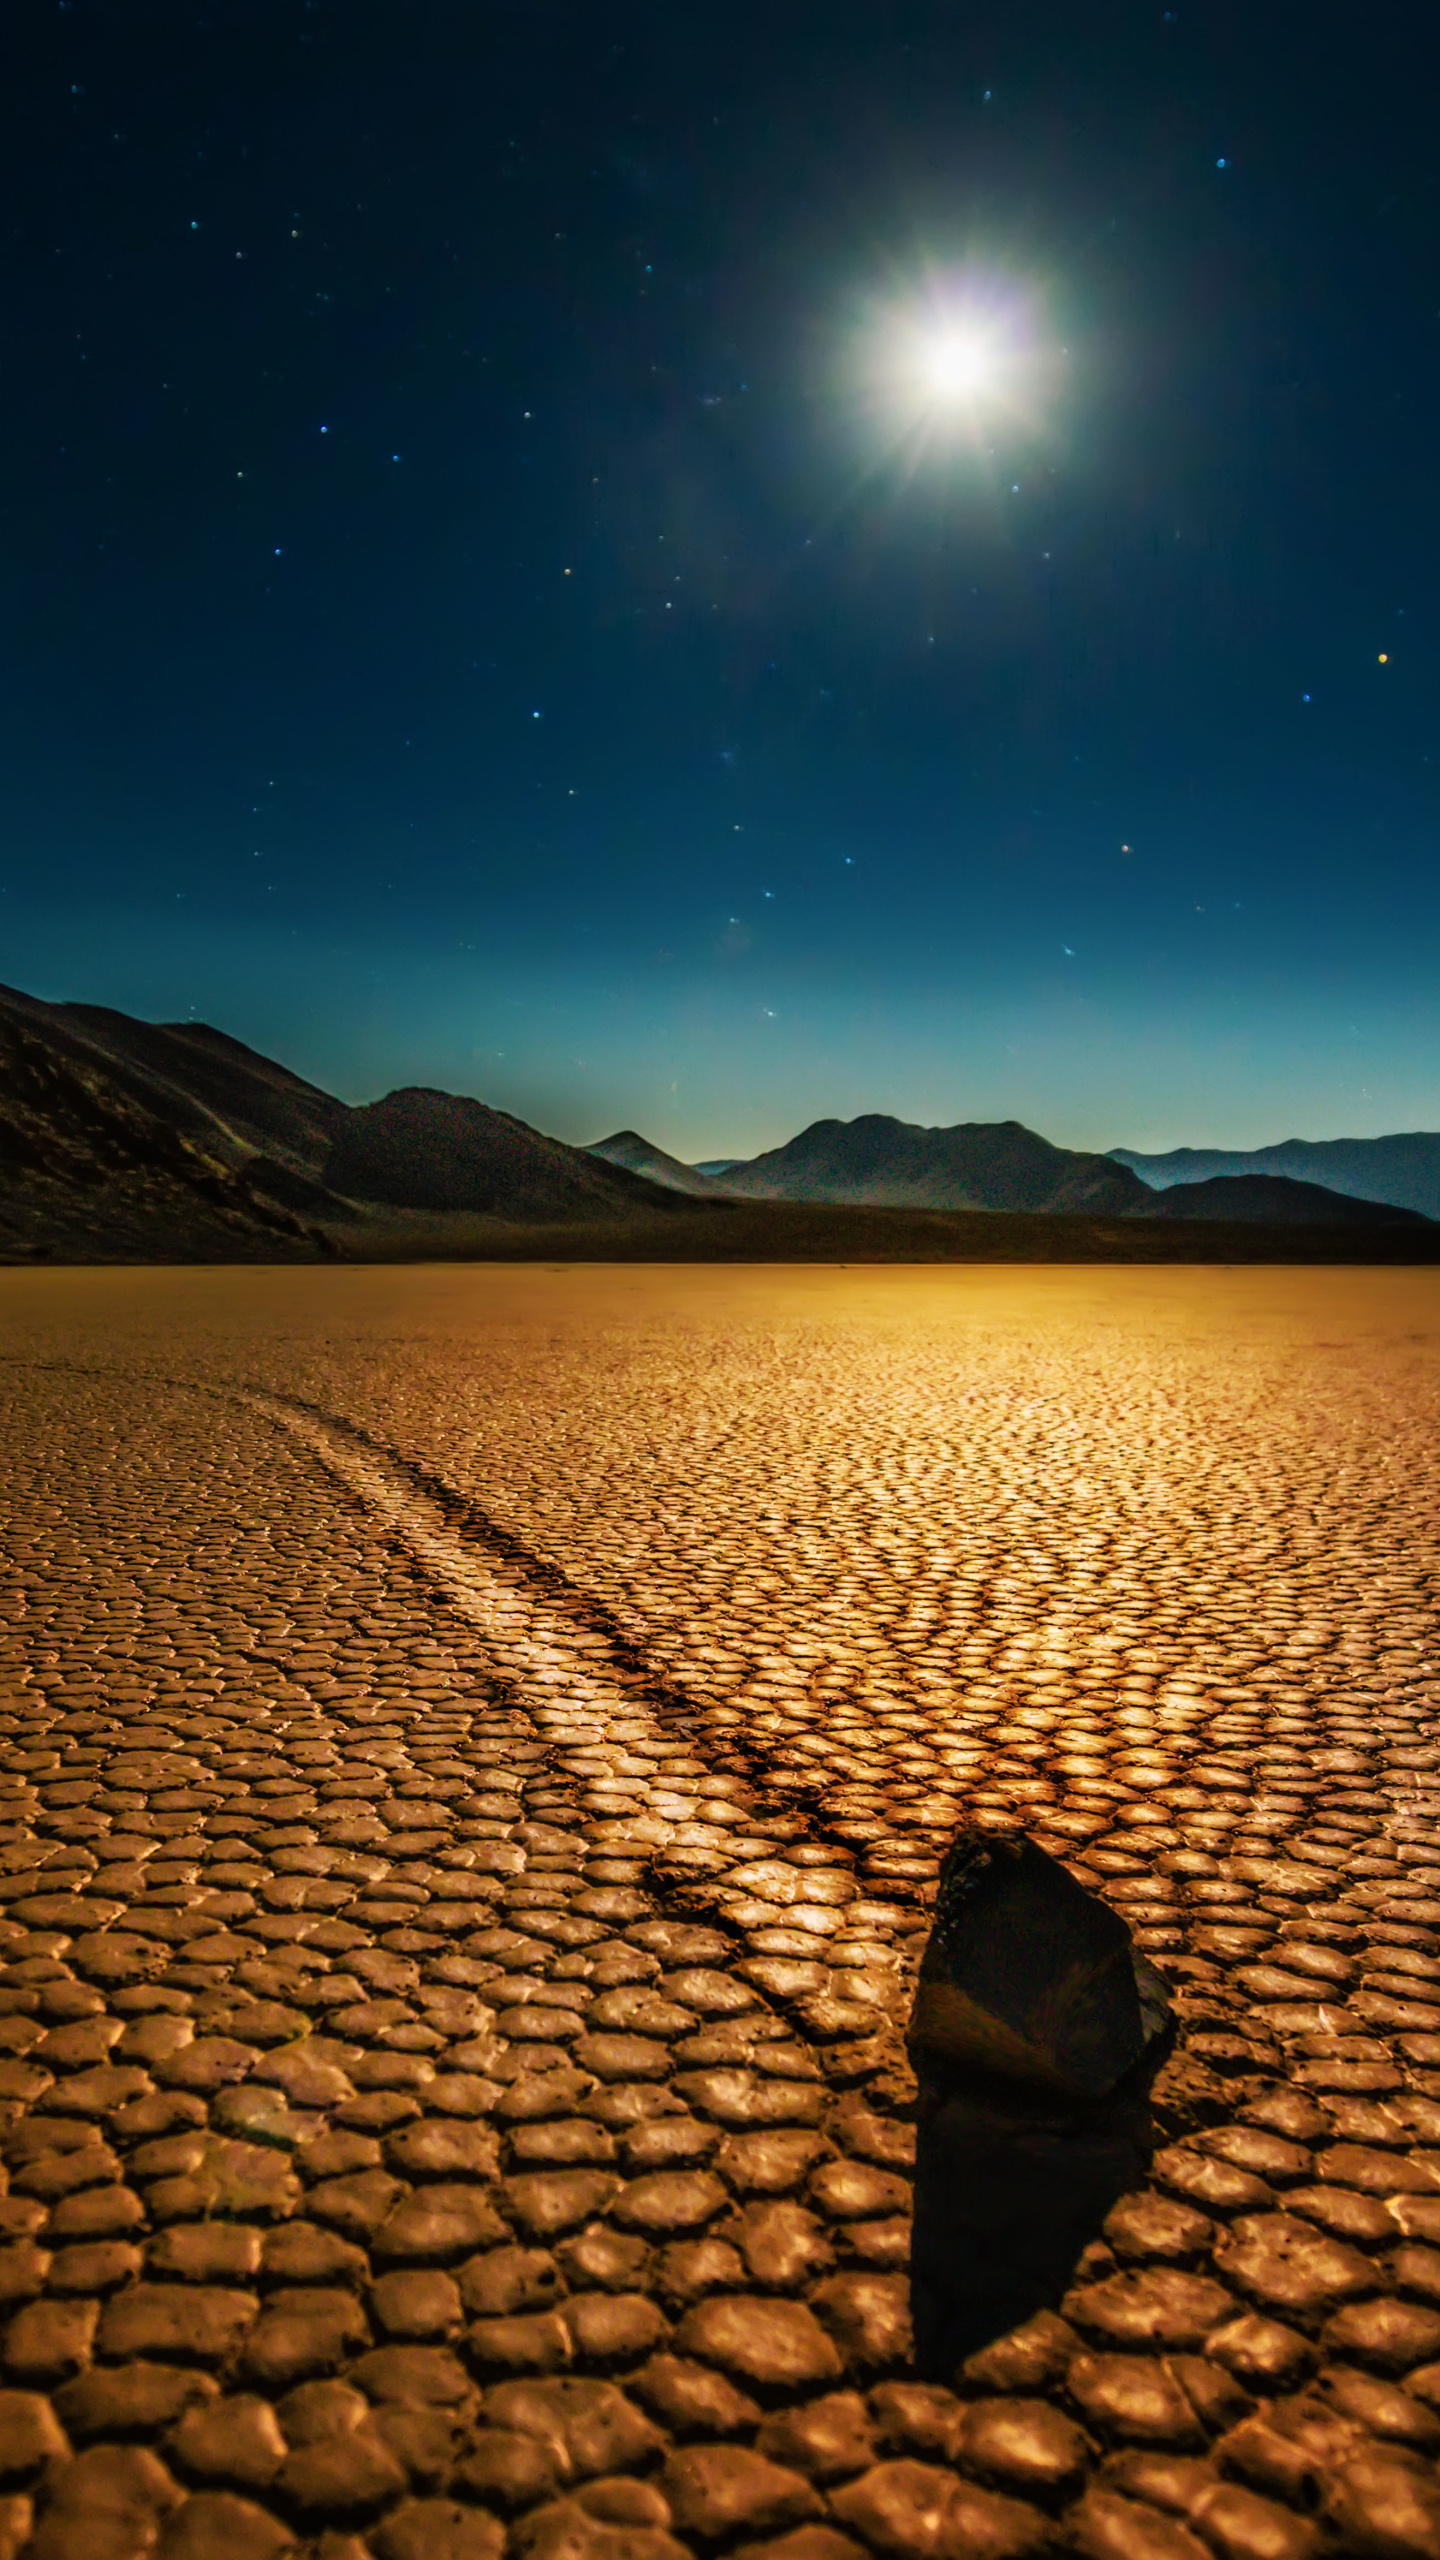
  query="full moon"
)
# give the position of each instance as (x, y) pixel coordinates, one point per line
(945, 367)
(956, 364)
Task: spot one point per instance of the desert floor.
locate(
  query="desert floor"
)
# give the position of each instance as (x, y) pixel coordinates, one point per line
(479, 1745)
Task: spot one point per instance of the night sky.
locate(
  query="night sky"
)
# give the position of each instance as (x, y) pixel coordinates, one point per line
(699, 566)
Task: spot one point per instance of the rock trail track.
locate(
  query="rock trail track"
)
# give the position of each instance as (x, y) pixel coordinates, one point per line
(478, 1747)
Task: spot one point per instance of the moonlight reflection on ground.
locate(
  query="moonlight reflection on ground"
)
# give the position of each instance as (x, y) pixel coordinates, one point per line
(479, 1762)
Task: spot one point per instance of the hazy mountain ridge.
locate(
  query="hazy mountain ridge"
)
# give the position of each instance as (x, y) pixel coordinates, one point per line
(627, 1148)
(1402, 1169)
(876, 1160)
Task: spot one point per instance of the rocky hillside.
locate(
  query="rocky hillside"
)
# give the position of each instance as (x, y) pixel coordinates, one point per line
(90, 1171)
(421, 1149)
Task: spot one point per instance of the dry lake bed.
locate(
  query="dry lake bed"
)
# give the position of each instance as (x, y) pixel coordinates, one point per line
(479, 1741)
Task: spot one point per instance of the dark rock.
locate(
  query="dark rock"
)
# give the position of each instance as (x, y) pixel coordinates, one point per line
(1036, 2034)
(1026, 1977)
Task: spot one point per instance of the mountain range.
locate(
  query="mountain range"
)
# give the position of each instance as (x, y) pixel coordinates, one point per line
(171, 1140)
(122, 1139)
(1403, 1169)
(994, 1165)
(976, 1165)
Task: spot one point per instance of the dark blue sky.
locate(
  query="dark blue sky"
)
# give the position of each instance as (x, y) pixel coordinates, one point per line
(466, 619)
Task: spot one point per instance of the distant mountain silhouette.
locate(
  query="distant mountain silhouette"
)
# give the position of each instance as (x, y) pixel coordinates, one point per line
(421, 1149)
(1403, 1170)
(1273, 1198)
(637, 1155)
(716, 1164)
(979, 1164)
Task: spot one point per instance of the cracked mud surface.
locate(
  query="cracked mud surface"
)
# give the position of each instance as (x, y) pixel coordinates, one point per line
(477, 1749)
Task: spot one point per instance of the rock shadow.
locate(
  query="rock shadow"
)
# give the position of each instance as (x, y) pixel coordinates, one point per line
(1037, 2034)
